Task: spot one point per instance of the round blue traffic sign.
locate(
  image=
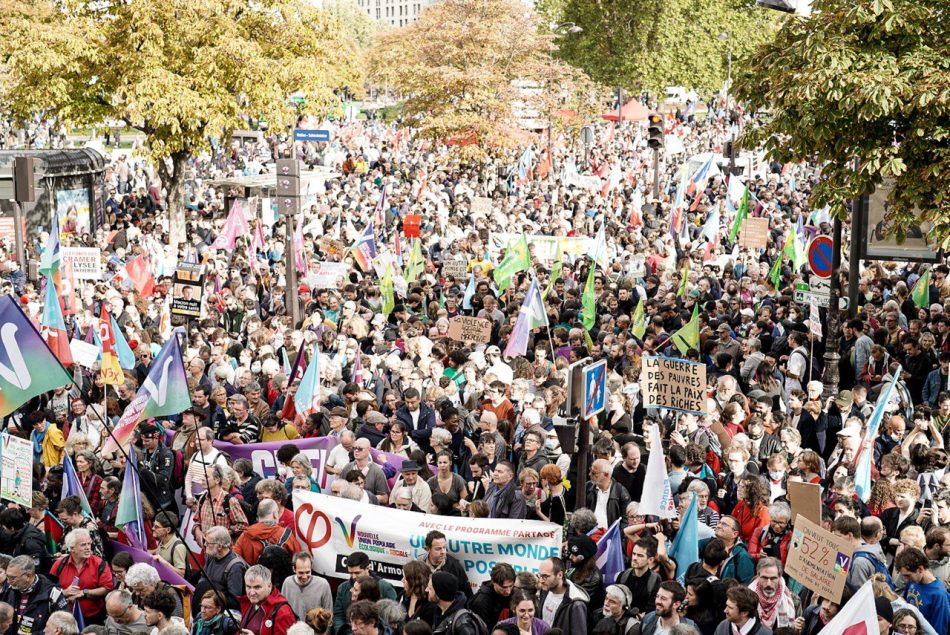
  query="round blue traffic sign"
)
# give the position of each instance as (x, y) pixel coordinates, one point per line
(819, 256)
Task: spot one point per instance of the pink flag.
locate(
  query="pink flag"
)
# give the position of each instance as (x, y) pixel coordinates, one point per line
(299, 256)
(235, 226)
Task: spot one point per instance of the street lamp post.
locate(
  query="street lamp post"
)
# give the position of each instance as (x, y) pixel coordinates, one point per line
(723, 37)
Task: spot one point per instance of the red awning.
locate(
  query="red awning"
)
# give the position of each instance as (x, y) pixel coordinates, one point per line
(633, 110)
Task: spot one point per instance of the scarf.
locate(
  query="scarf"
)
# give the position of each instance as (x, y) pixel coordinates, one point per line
(780, 608)
(38, 441)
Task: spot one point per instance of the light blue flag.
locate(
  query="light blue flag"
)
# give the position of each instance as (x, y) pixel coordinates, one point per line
(307, 397)
(72, 487)
(129, 514)
(685, 548)
(862, 471)
(126, 356)
(469, 293)
(609, 556)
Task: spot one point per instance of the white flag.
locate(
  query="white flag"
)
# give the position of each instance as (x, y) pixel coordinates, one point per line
(657, 497)
(858, 616)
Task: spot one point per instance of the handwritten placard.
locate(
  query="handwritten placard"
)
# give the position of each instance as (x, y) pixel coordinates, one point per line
(455, 266)
(805, 499)
(754, 233)
(818, 559)
(672, 383)
(469, 329)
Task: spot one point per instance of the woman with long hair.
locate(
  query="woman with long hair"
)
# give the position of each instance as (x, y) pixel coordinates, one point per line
(752, 510)
(212, 617)
(524, 609)
(701, 605)
(415, 579)
(91, 483)
(446, 481)
(397, 441)
(554, 506)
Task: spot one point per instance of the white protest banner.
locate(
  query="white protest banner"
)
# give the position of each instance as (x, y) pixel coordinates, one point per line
(333, 527)
(86, 262)
(327, 274)
(16, 481)
(455, 266)
(84, 353)
(544, 247)
(819, 559)
(481, 206)
(676, 384)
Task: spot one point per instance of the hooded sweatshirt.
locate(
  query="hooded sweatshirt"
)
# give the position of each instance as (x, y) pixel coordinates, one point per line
(861, 568)
(571, 614)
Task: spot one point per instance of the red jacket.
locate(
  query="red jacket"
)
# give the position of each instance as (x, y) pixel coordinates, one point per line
(277, 618)
(750, 521)
(758, 538)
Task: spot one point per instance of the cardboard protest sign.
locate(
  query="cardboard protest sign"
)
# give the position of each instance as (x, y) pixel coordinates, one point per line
(805, 499)
(672, 383)
(818, 559)
(754, 233)
(469, 329)
(333, 528)
(16, 481)
(85, 261)
(455, 266)
(187, 290)
(327, 274)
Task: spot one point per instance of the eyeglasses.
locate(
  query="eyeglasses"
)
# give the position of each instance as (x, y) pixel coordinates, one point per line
(905, 628)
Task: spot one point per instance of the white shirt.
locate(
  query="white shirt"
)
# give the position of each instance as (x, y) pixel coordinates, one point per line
(551, 604)
(338, 457)
(600, 511)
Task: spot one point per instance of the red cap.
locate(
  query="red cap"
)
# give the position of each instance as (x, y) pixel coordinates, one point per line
(24, 299)
(303, 289)
(133, 344)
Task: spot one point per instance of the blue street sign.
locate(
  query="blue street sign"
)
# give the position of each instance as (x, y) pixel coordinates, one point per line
(595, 389)
(819, 256)
(311, 135)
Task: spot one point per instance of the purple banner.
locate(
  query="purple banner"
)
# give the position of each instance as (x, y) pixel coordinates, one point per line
(165, 572)
(263, 456)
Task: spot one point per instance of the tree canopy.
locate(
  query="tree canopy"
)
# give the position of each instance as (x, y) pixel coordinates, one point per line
(653, 44)
(181, 72)
(865, 81)
(469, 69)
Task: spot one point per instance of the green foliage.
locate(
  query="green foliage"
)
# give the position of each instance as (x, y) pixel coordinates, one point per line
(652, 44)
(178, 70)
(467, 69)
(357, 24)
(865, 80)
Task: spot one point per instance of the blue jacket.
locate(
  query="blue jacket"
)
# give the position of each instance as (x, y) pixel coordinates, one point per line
(935, 384)
(418, 433)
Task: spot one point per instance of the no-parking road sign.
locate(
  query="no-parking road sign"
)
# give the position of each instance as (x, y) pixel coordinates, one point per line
(819, 256)
(595, 389)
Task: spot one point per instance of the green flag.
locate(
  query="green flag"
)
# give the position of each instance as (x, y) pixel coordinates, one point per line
(921, 291)
(688, 336)
(639, 321)
(794, 249)
(386, 288)
(684, 281)
(517, 258)
(556, 269)
(416, 264)
(441, 299)
(775, 275)
(741, 215)
(589, 300)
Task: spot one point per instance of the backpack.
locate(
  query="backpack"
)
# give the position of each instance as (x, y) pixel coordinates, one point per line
(879, 566)
(478, 624)
(277, 559)
(60, 564)
(653, 583)
(178, 471)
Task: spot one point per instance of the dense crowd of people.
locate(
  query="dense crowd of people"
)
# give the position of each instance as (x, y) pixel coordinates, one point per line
(476, 426)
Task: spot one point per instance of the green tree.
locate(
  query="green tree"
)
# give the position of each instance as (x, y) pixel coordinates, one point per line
(358, 25)
(181, 72)
(866, 82)
(653, 44)
(469, 69)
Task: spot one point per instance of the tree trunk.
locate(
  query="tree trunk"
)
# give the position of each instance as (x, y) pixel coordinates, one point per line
(174, 182)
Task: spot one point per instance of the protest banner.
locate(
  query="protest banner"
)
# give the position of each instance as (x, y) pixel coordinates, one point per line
(86, 262)
(455, 266)
(327, 274)
(263, 456)
(469, 329)
(543, 247)
(805, 499)
(84, 353)
(481, 205)
(754, 233)
(187, 290)
(818, 559)
(16, 479)
(672, 383)
(334, 527)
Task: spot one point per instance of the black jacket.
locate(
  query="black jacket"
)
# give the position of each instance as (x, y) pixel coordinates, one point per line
(488, 605)
(457, 620)
(29, 541)
(571, 614)
(453, 566)
(44, 599)
(162, 465)
(617, 500)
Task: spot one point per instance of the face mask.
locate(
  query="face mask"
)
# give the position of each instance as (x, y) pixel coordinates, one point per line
(776, 474)
(256, 368)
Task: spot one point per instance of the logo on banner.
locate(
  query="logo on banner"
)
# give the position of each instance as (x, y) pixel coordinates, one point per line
(325, 531)
(159, 393)
(19, 376)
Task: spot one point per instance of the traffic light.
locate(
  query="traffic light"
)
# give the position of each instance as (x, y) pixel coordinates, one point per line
(655, 138)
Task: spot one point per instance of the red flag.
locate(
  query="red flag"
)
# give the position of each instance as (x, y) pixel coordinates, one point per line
(140, 273)
(545, 166)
